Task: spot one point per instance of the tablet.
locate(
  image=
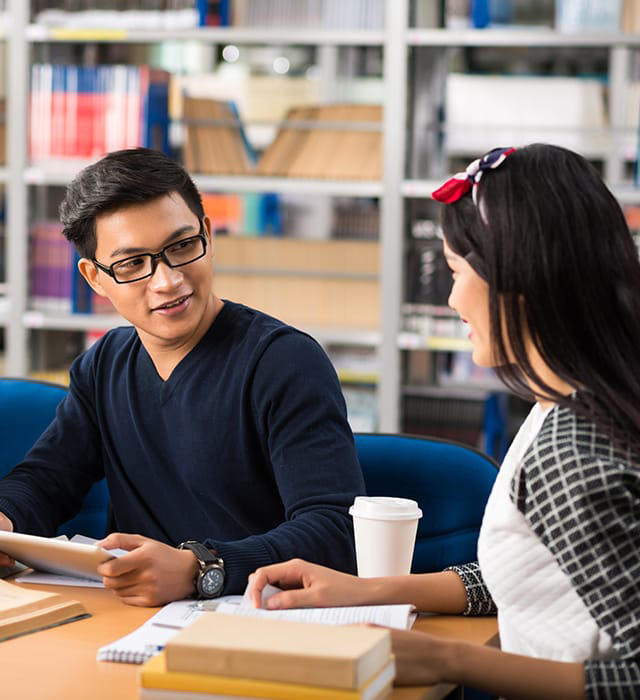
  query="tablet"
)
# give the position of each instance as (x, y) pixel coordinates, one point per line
(54, 555)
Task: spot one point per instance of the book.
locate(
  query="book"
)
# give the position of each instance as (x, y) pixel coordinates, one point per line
(340, 656)
(24, 610)
(337, 141)
(156, 682)
(56, 555)
(85, 111)
(215, 142)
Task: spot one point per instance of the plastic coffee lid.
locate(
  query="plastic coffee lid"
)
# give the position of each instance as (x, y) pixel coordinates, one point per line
(385, 508)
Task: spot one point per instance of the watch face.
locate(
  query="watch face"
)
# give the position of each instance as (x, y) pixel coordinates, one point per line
(211, 582)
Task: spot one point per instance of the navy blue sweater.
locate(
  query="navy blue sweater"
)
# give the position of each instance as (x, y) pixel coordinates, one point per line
(245, 447)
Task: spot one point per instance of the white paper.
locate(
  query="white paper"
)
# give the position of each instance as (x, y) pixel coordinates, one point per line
(150, 638)
(57, 580)
(182, 613)
(139, 645)
(31, 576)
(396, 616)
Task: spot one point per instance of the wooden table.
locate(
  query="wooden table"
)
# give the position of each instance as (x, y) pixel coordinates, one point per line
(60, 663)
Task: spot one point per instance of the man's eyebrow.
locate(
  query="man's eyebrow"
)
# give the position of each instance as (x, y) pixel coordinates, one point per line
(123, 252)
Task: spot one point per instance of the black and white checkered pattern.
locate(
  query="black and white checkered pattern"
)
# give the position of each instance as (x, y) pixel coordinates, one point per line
(479, 600)
(581, 497)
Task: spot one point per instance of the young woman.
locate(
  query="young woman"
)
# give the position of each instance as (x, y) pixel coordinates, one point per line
(546, 275)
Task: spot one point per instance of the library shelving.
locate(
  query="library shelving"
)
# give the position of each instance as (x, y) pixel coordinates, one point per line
(417, 153)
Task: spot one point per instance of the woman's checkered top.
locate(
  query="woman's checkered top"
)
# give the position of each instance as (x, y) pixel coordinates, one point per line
(581, 497)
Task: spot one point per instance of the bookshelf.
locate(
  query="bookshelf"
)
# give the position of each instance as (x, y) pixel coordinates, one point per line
(405, 178)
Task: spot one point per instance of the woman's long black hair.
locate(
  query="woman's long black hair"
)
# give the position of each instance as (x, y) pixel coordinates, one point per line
(554, 247)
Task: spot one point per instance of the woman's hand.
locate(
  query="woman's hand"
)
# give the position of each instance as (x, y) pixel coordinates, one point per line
(311, 586)
(421, 659)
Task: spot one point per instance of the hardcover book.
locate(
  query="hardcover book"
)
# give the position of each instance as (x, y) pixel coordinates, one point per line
(24, 610)
(338, 656)
(156, 681)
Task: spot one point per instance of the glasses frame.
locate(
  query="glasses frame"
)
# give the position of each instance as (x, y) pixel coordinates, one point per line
(154, 257)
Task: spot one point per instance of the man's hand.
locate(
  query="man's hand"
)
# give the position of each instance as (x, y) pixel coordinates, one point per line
(6, 524)
(152, 573)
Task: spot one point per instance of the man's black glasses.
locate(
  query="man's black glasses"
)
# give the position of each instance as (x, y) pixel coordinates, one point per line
(138, 267)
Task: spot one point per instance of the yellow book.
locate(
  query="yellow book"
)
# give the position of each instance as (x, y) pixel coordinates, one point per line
(157, 683)
(337, 656)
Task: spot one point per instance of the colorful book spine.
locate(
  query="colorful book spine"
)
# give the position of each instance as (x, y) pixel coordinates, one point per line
(86, 111)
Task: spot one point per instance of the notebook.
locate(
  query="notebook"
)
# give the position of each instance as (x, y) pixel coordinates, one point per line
(148, 639)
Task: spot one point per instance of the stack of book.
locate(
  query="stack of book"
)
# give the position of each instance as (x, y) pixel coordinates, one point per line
(215, 142)
(3, 131)
(86, 111)
(232, 656)
(339, 141)
(330, 141)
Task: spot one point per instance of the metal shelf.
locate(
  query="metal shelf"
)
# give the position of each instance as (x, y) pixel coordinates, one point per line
(62, 172)
(212, 35)
(471, 391)
(4, 306)
(345, 336)
(284, 185)
(525, 37)
(423, 188)
(415, 341)
(71, 322)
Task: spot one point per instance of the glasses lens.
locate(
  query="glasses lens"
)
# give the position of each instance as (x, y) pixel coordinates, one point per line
(140, 266)
(132, 268)
(185, 251)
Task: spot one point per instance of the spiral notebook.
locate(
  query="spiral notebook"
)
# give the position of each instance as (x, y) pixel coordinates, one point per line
(138, 646)
(149, 639)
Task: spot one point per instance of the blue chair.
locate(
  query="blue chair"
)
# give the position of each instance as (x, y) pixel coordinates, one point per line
(451, 483)
(27, 407)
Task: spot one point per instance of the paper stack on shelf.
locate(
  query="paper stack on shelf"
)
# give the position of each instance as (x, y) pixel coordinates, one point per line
(515, 110)
(214, 138)
(630, 16)
(308, 283)
(230, 655)
(330, 14)
(330, 141)
(3, 131)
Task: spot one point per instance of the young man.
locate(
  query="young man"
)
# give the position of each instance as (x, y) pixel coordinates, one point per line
(221, 431)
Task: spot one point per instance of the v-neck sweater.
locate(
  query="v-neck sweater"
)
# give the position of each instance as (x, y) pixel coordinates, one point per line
(245, 447)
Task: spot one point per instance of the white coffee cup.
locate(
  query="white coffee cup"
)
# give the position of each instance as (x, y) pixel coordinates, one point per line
(385, 534)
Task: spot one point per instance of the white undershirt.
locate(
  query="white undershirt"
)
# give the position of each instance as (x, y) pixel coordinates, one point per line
(539, 612)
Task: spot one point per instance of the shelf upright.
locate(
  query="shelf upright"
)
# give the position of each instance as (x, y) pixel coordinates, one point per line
(17, 217)
(392, 211)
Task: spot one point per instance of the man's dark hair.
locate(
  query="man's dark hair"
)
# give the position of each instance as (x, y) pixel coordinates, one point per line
(120, 179)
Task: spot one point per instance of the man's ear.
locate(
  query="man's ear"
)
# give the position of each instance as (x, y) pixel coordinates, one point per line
(211, 240)
(90, 272)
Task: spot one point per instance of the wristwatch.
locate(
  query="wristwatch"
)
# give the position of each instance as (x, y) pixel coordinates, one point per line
(209, 581)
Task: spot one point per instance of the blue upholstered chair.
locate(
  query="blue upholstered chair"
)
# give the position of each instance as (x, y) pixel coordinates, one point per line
(451, 483)
(26, 409)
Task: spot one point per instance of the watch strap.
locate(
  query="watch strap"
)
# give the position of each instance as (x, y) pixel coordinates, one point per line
(203, 554)
(209, 581)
